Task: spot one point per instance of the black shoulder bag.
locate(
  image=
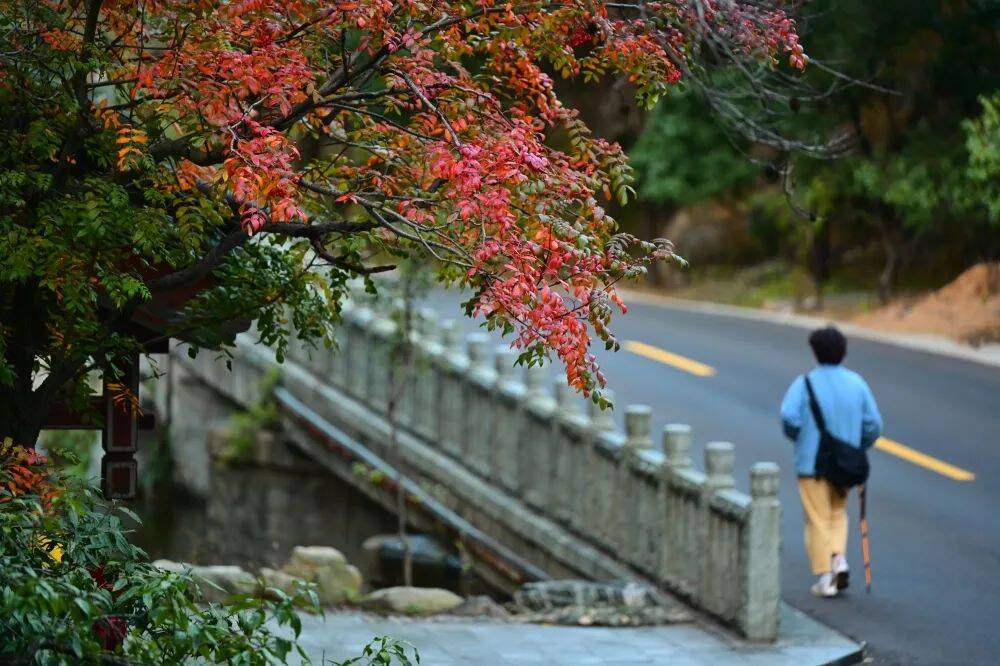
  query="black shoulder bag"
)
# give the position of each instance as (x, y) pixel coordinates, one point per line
(838, 462)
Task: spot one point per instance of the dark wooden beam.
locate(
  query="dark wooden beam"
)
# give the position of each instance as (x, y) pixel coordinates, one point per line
(63, 418)
(119, 472)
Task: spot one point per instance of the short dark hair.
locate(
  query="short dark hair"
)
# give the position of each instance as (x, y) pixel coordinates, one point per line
(829, 345)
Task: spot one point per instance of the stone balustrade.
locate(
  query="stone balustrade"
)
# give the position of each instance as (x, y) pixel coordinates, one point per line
(642, 502)
(621, 501)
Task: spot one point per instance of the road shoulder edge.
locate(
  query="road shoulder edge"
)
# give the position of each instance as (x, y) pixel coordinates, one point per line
(929, 344)
(799, 629)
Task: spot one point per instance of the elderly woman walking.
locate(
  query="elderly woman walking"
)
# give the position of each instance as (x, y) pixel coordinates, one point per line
(828, 406)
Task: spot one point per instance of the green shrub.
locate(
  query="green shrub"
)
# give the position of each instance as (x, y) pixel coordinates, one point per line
(245, 424)
(383, 651)
(74, 590)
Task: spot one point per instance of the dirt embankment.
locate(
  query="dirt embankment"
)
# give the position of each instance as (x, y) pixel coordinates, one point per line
(967, 309)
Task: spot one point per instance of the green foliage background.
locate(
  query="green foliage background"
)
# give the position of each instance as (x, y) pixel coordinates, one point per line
(920, 187)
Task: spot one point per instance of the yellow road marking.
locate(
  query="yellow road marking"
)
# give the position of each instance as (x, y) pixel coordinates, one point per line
(924, 460)
(663, 356)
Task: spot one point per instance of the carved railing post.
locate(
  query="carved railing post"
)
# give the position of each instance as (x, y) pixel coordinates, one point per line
(340, 354)
(605, 487)
(382, 333)
(539, 408)
(402, 351)
(508, 419)
(719, 460)
(762, 583)
(453, 365)
(427, 370)
(677, 445)
(567, 450)
(682, 499)
(637, 438)
(587, 479)
(602, 420)
(479, 414)
(360, 343)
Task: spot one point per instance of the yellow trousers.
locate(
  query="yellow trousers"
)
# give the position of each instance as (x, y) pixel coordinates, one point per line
(825, 508)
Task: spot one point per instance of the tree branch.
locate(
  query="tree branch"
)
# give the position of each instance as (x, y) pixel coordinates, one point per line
(342, 261)
(297, 230)
(200, 269)
(182, 148)
(423, 98)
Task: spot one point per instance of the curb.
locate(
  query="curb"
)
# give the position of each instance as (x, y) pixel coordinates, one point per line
(928, 344)
(855, 657)
(799, 628)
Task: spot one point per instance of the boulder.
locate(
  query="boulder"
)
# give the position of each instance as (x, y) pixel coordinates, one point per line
(338, 584)
(336, 580)
(480, 606)
(171, 566)
(218, 582)
(279, 580)
(306, 560)
(412, 600)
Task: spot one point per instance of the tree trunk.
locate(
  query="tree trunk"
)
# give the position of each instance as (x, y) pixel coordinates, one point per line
(891, 247)
(818, 301)
(887, 278)
(819, 265)
(22, 415)
(23, 410)
(651, 227)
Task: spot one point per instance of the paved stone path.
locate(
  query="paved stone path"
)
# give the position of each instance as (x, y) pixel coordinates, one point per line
(482, 642)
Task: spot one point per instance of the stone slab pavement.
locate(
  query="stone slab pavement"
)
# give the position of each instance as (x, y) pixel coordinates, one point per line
(453, 641)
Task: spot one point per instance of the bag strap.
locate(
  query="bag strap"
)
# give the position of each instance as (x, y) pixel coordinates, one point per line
(814, 406)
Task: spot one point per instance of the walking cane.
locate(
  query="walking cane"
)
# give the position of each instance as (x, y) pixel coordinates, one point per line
(866, 552)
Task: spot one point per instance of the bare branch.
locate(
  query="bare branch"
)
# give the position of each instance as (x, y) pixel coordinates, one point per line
(343, 262)
(426, 102)
(204, 266)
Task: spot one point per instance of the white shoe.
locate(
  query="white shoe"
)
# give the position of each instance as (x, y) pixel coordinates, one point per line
(825, 586)
(840, 572)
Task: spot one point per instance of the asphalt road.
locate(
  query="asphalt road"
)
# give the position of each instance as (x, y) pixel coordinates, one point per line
(935, 540)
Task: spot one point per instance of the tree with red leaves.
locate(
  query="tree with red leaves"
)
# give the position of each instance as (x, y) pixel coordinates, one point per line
(181, 164)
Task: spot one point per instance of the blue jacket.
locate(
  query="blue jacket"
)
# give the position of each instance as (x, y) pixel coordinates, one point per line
(848, 408)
